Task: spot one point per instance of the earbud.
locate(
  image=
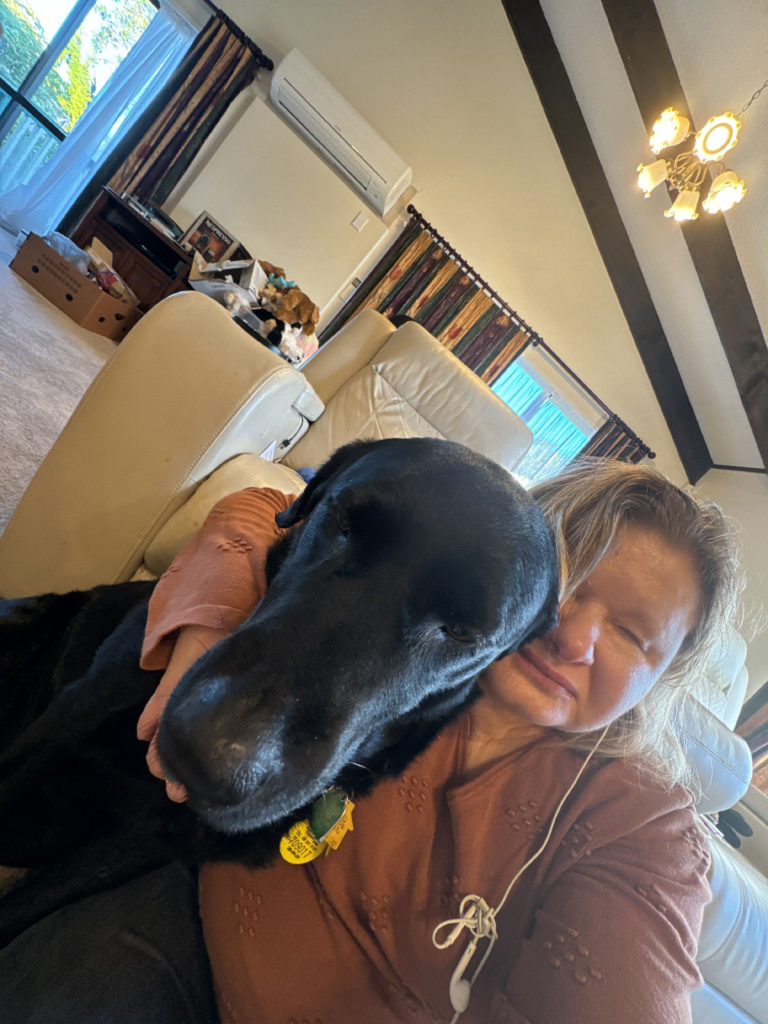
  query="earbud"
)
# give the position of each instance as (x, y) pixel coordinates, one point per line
(460, 988)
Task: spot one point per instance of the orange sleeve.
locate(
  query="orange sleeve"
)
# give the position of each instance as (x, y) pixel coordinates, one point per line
(220, 576)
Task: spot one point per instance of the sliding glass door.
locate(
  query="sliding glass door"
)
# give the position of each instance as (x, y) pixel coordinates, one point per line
(55, 55)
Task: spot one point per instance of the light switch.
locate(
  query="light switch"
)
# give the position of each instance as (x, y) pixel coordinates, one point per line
(360, 221)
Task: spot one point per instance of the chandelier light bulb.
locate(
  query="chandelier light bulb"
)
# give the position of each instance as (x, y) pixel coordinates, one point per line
(727, 190)
(719, 134)
(684, 207)
(686, 172)
(651, 175)
(669, 130)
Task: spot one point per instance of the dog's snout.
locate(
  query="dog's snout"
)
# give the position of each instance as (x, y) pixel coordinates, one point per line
(218, 765)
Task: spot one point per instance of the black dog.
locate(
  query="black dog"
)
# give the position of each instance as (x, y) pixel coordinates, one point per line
(416, 564)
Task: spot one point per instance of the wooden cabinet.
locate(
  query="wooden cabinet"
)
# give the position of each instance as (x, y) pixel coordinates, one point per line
(152, 263)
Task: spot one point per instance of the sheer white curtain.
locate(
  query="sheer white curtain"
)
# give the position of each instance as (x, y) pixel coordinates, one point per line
(40, 204)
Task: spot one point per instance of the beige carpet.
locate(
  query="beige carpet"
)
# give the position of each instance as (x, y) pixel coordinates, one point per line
(46, 365)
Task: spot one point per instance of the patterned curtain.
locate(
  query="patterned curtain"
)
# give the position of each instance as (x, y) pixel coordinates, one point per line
(422, 277)
(154, 155)
(614, 440)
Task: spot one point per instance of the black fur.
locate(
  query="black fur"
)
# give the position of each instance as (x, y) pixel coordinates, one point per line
(413, 565)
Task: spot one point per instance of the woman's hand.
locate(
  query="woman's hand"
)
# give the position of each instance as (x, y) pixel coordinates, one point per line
(192, 641)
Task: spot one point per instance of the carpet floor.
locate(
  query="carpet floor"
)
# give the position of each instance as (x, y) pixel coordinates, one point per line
(46, 365)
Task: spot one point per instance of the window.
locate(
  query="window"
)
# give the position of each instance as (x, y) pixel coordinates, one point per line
(561, 414)
(55, 55)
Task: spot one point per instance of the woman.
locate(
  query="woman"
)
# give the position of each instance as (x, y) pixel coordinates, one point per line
(605, 923)
(550, 814)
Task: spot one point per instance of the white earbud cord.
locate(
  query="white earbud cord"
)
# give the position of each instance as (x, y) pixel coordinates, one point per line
(480, 920)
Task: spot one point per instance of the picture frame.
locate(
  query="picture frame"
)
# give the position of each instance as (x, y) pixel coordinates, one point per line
(206, 236)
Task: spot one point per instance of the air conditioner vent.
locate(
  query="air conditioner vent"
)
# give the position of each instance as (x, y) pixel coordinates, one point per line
(310, 104)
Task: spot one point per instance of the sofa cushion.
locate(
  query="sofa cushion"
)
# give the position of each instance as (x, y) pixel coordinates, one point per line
(234, 475)
(721, 760)
(366, 407)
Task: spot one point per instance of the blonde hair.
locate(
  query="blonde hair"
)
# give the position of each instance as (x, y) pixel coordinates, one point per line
(586, 507)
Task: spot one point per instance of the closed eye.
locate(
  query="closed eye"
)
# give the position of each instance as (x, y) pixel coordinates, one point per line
(460, 634)
(633, 637)
(341, 518)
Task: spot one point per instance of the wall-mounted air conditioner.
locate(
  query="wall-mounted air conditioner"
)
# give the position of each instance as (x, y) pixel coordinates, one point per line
(311, 105)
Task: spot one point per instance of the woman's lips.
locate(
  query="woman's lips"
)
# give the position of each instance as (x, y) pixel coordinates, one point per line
(542, 670)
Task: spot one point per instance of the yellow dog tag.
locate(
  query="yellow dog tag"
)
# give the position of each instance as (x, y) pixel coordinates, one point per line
(330, 821)
(299, 846)
(340, 829)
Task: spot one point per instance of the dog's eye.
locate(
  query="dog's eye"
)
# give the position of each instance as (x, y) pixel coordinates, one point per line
(459, 633)
(342, 521)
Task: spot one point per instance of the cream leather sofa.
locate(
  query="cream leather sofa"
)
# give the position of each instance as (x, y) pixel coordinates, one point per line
(187, 392)
(190, 408)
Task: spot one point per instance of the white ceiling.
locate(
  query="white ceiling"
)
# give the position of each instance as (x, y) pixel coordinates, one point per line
(721, 56)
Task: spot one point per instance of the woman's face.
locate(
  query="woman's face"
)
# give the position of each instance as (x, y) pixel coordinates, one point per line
(616, 635)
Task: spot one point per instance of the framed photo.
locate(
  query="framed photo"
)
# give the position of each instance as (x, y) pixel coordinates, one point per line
(209, 238)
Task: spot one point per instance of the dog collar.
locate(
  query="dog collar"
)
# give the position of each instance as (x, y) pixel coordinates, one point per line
(330, 818)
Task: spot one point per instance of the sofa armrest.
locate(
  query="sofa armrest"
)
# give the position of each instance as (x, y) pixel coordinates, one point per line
(185, 391)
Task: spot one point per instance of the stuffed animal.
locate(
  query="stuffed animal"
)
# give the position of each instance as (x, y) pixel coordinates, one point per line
(266, 325)
(291, 305)
(271, 268)
(286, 300)
(299, 308)
(276, 276)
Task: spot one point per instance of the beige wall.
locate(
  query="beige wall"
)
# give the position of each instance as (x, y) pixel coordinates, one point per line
(445, 85)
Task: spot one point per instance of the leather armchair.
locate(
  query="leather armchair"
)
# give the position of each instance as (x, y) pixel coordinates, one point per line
(191, 408)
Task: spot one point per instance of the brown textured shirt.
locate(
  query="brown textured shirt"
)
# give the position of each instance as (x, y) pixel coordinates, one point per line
(601, 929)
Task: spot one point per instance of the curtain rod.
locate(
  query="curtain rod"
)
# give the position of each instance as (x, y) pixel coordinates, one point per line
(535, 337)
(239, 34)
(468, 268)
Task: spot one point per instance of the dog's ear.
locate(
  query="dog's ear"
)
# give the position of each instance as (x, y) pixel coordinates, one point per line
(315, 489)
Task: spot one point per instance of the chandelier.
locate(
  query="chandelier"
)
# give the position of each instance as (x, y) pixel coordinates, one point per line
(687, 172)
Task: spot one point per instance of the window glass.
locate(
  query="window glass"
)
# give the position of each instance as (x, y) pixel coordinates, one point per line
(561, 415)
(24, 37)
(103, 39)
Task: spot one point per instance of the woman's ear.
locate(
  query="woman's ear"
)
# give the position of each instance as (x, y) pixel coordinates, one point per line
(341, 459)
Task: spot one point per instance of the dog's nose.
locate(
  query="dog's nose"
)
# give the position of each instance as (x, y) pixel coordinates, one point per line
(216, 766)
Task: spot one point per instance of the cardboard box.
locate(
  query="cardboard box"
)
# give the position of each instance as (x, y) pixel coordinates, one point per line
(70, 291)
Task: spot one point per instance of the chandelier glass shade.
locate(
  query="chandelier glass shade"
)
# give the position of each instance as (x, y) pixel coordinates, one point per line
(687, 172)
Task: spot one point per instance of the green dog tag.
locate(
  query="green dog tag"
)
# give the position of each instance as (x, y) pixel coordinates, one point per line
(326, 811)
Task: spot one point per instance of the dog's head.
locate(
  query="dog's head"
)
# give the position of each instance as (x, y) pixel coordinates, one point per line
(412, 565)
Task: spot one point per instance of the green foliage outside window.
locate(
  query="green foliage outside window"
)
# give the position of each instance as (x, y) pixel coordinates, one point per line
(22, 41)
(102, 40)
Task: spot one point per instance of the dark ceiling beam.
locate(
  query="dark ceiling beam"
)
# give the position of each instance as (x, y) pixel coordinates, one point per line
(652, 75)
(581, 160)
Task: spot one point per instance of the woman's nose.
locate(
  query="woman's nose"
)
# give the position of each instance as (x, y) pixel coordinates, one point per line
(576, 632)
